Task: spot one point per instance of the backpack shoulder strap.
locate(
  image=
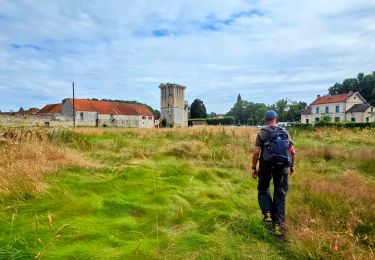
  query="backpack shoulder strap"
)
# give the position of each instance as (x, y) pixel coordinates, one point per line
(281, 130)
(267, 134)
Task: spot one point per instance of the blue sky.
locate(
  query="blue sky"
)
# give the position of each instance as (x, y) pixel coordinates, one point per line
(265, 50)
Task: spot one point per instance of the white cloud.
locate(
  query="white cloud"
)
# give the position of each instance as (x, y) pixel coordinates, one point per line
(265, 50)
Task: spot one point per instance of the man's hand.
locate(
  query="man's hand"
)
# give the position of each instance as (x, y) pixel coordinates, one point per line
(255, 161)
(255, 173)
(291, 170)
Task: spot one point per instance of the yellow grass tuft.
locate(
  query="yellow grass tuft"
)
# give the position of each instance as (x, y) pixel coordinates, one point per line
(26, 158)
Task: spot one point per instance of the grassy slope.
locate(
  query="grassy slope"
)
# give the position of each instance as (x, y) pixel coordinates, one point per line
(186, 194)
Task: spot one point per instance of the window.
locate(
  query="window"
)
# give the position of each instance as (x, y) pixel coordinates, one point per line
(144, 117)
(317, 119)
(337, 119)
(353, 119)
(307, 121)
(337, 109)
(150, 118)
(327, 110)
(367, 119)
(317, 110)
(81, 116)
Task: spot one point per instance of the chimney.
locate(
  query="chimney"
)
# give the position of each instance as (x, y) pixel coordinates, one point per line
(318, 96)
(351, 92)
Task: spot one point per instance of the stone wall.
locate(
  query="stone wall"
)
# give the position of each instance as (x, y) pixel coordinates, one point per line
(83, 118)
(35, 120)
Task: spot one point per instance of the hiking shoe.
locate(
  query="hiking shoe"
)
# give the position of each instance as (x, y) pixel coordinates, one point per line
(267, 217)
(278, 231)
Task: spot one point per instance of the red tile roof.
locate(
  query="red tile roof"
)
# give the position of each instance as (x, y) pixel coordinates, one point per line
(30, 111)
(142, 110)
(331, 99)
(51, 108)
(111, 108)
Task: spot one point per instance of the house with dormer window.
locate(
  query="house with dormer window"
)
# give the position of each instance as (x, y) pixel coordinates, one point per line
(350, 107)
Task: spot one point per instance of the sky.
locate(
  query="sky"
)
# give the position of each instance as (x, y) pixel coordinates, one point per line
(264, 50)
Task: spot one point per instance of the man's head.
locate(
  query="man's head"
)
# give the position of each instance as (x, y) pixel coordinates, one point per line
(270, 117)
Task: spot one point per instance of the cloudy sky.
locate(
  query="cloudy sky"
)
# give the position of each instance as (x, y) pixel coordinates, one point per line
(265, 50)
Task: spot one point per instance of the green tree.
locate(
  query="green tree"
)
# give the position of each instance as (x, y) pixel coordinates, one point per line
(240, 112)
(335, 89)
(239, 99)
(198, 109)
(367, 86)
(372, 100)
(364, 84)
(294, 112)
(255, 113)
(212, 114)
(281, 107)
(350, 84)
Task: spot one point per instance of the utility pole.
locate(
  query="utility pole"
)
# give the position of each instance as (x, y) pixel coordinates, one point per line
(74, 110)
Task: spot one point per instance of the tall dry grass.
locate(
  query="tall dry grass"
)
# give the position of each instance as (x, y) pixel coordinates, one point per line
(25, 158)
(342, 229)
(247, 133)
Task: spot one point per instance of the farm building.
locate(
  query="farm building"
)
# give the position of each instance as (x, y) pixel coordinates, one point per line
(351, 107)
(102, 113)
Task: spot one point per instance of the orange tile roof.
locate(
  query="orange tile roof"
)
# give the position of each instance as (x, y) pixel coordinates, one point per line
(30, 111)
(51, 108)
(111, 108)
(331, 99)
(142, 110)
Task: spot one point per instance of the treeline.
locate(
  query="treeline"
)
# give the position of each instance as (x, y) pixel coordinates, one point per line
(364, 84)
(250, 113)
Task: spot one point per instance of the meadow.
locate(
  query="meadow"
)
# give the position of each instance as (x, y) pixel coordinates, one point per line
(101, 193)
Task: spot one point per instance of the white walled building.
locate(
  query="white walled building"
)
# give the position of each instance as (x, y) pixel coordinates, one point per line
(350, 107)
(102, 113)
(174, 108)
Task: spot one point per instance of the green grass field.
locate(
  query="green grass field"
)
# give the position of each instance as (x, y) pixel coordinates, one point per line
(187, 194)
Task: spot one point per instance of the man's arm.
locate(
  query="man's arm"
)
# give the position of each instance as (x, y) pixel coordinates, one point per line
(255, 161)
(293, 153)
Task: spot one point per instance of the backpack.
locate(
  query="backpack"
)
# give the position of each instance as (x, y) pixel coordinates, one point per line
(275, 150)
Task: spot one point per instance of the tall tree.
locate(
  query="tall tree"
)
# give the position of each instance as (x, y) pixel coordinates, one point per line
(281, 107)
(367, 86)
(372, 100)
(294, 112)
(335, 89)
(255, 113)
(239, 99)
(198, 109)
(364, 84)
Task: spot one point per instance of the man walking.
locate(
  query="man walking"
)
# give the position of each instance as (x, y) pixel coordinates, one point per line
(276, 154)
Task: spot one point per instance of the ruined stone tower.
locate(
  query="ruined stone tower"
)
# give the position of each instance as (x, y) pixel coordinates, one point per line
(173, 107)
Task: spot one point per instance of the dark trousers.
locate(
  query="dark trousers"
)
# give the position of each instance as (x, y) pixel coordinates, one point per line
(280, 182)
